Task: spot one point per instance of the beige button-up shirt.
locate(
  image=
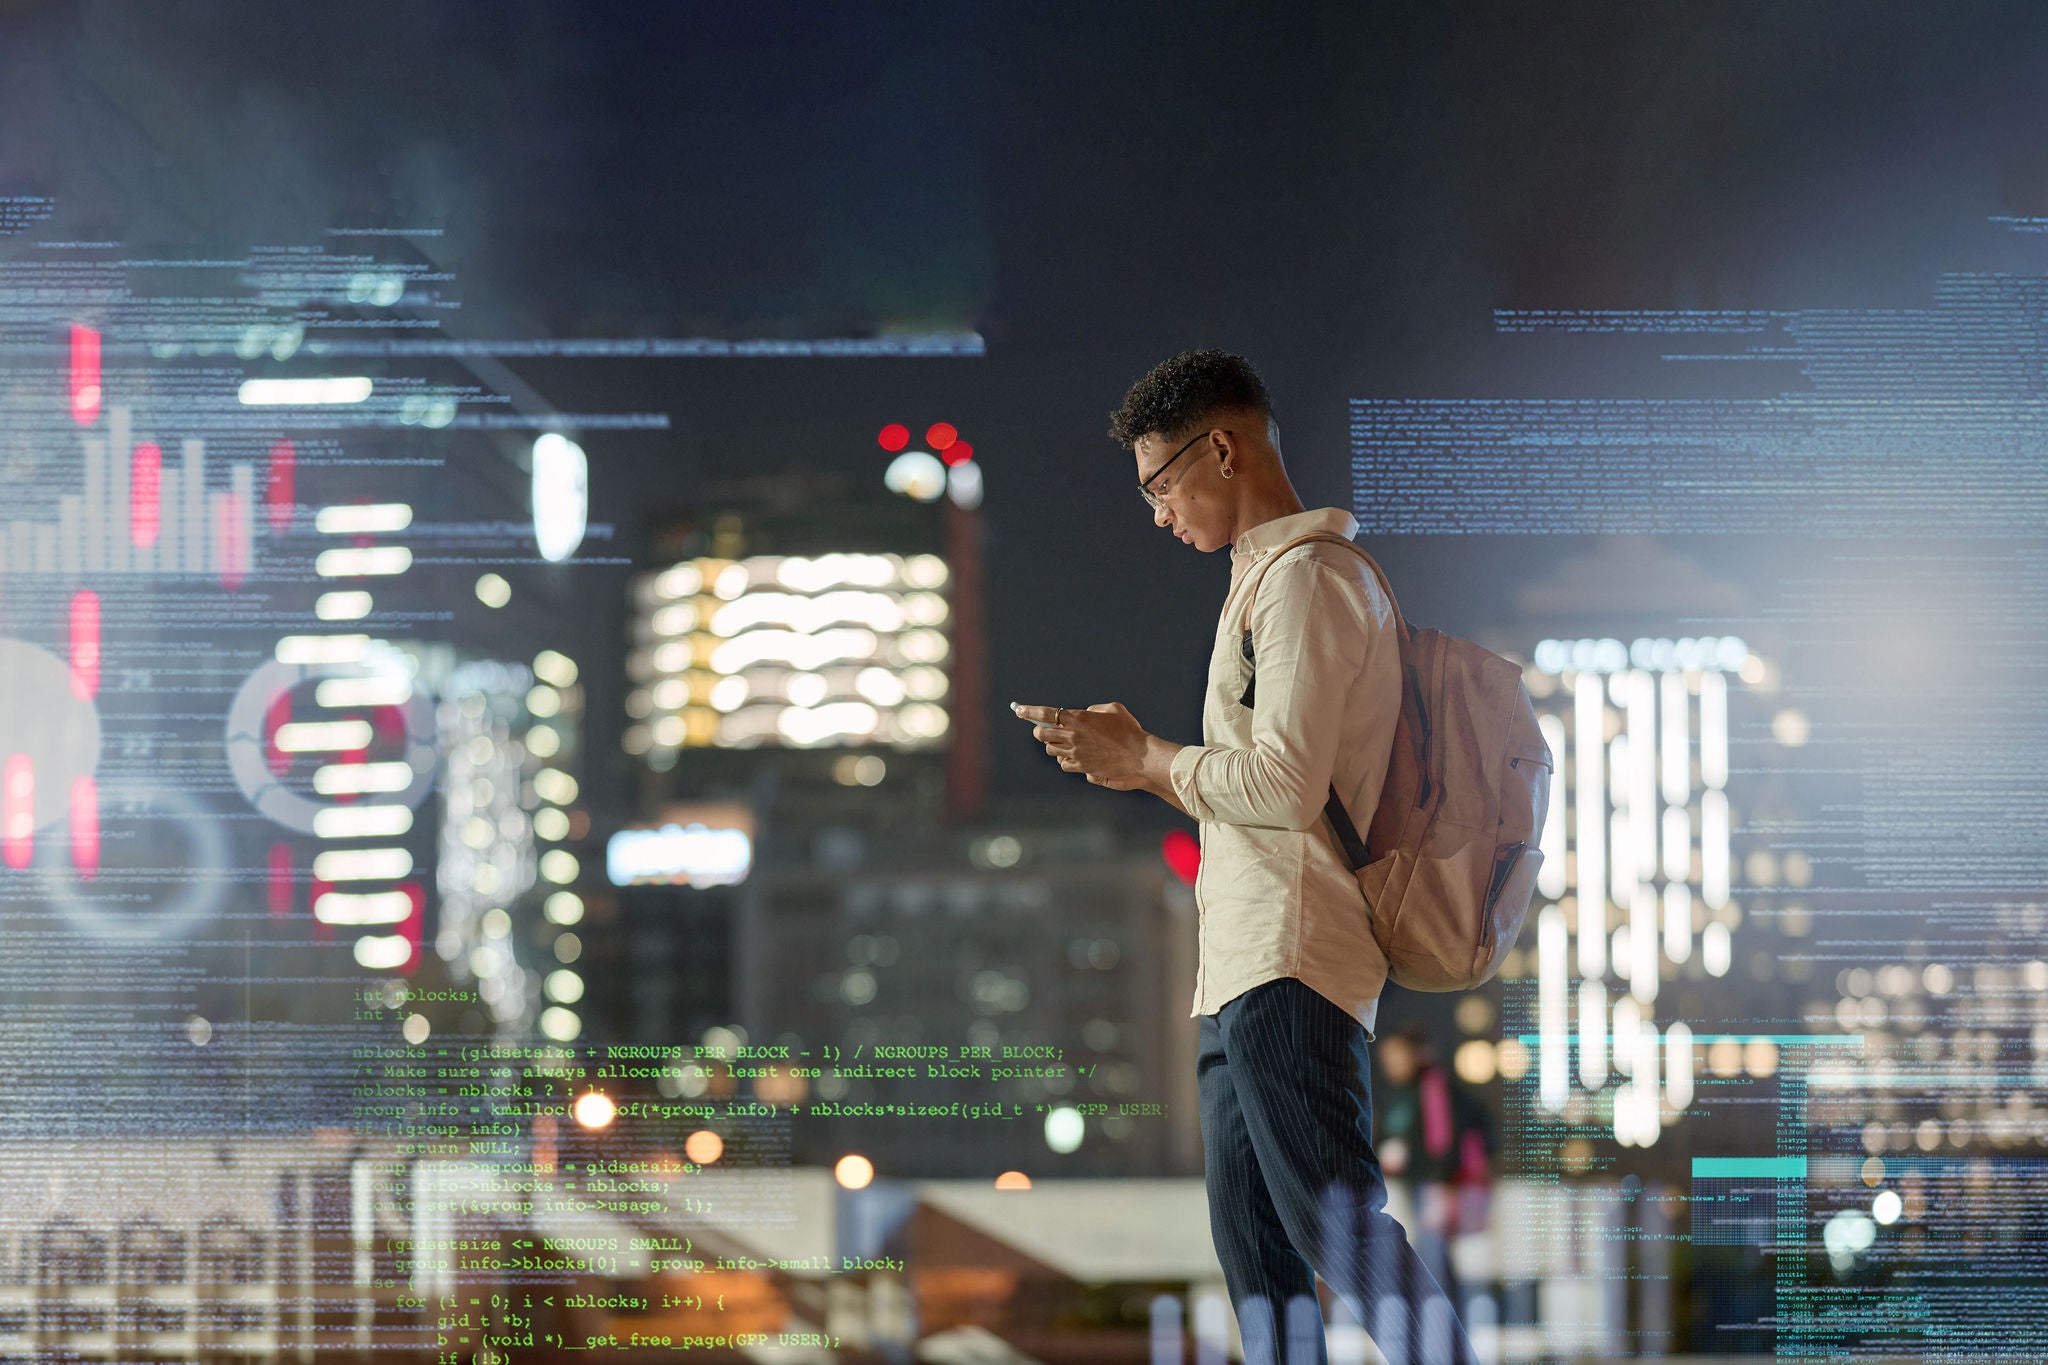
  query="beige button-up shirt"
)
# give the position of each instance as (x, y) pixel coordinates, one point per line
(1275, 896)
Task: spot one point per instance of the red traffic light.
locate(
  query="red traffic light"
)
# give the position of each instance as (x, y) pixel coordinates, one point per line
(941, 435)
(894, 437)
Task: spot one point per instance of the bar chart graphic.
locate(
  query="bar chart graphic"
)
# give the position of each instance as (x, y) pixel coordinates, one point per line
(137, 512)
(129, 510)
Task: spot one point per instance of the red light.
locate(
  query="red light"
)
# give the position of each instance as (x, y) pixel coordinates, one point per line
(279, 713)
(85, 826)
(281, 879)
(145, 493)
(227, 529)
(278, 492)
(894, 437)
(85, 644)
(941, 435)
(85, 376)
(957, 453)
(1183, 854)
(18, 810)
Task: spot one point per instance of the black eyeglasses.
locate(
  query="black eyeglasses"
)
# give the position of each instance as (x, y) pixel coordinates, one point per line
(1145, 488)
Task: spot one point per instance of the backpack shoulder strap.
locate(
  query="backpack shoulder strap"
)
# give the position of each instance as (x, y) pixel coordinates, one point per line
(1355, 848)
(1252, 592)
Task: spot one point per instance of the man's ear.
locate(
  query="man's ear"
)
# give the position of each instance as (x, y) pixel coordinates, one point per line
(1229, 450)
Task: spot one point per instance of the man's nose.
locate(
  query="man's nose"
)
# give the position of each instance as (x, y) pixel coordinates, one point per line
(1159, 517)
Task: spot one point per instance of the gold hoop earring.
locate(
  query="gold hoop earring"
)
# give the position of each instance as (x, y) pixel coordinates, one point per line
(1226, 472)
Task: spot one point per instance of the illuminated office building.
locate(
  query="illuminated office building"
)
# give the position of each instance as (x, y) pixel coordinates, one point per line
(509, 743)
(1660, 905)
(797, 650)
(1638, 862)
(670, 900)
(364, 890)
(824, 631)
(785, 630)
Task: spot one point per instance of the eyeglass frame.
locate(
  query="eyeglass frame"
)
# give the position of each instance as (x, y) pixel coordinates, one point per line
(1145, 484)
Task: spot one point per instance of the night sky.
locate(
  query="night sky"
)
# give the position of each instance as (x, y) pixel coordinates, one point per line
(1340, 193)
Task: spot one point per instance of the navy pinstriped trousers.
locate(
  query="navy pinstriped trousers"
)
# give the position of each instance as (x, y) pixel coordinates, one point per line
(1295, 1190)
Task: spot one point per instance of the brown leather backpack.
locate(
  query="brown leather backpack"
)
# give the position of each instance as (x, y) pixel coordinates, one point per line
(1449, 865)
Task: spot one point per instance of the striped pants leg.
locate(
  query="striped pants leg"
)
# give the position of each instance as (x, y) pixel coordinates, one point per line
(1295, 1190)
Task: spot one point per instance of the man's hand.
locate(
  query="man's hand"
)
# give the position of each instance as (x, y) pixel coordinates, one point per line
(1105, 743)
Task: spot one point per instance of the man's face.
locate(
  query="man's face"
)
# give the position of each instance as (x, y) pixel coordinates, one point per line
(1187, 490)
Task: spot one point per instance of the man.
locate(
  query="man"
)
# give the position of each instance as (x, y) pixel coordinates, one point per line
(1288, 978)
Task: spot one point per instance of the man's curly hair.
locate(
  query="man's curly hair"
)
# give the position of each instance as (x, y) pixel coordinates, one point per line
(1186, 390)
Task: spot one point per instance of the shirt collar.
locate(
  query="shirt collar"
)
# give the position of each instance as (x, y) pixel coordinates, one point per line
(1271, 535)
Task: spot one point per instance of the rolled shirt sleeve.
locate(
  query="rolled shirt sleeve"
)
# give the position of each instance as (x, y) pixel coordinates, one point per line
(1315, 637)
